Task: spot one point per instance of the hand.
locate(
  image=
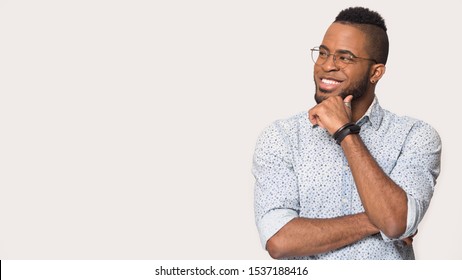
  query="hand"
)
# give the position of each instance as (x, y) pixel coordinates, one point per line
(408, 240)
(332, 113)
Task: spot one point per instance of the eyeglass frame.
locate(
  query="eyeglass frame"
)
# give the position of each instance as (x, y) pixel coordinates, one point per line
(335, 54)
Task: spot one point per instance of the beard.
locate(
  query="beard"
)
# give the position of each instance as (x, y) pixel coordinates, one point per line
(357, 90)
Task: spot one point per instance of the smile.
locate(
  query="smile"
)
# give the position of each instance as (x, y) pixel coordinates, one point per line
(328, 85)
(330, 82)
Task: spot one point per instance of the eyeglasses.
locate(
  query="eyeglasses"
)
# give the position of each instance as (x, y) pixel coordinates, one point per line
(341, 58)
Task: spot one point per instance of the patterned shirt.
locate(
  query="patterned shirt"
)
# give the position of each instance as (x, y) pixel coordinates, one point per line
(301, 171)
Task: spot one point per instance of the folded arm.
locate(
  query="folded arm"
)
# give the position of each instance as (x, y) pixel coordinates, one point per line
(303, 237)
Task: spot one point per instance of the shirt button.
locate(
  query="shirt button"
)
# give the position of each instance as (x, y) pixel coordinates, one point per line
(346, 167)
(344, 200)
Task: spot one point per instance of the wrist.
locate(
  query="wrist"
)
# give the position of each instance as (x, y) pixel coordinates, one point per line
(345, 130)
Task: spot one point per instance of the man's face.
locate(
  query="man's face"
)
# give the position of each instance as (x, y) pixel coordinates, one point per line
(330, 80)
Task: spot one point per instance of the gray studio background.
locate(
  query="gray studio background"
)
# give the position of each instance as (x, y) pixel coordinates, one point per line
(127, 128)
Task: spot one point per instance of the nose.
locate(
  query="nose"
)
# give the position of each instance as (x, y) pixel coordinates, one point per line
(329, 64)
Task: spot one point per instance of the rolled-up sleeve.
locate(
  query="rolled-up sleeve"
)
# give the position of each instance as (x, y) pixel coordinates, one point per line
(416, 171)
(276, 190)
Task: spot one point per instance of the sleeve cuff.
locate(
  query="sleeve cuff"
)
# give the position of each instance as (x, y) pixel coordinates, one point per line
(272, 222)
(412, 220)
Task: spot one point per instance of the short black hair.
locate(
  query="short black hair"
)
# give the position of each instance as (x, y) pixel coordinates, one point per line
(373, 25)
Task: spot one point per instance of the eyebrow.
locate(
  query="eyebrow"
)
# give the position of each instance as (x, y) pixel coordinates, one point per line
(339, 51)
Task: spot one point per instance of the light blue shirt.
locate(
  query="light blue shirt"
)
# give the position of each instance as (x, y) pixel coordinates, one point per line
(301, 171)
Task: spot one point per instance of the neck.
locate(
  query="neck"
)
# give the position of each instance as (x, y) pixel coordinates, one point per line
(360, 106)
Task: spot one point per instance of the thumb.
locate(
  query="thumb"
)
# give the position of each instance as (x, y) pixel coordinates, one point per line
(348, 99)
(347, 102)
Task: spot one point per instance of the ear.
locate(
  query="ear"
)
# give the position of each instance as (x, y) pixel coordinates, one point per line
(376, 73)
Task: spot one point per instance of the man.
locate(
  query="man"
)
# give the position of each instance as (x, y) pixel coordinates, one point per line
(348, 180)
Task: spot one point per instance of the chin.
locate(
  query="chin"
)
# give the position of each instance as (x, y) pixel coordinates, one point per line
(320, 96)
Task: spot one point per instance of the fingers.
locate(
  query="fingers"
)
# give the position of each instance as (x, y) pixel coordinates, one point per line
(408, 241)
(314, 119)
(312, 116)
(331, 113)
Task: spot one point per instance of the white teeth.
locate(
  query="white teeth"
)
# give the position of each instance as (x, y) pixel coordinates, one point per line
(330, 82)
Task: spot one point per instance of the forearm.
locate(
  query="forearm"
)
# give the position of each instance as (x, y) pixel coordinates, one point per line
(385, 202)
(304, 237)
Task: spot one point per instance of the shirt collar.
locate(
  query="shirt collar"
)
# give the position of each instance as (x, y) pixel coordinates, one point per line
(374, 114)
